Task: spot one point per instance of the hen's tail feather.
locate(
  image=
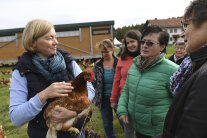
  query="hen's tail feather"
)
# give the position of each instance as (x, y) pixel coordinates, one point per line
(51, 133)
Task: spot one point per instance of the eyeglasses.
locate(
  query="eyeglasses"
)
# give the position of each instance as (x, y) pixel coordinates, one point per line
(180, 48)
(148, 43)
(184, 24)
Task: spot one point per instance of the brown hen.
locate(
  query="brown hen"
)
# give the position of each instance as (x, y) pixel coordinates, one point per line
(77, 101)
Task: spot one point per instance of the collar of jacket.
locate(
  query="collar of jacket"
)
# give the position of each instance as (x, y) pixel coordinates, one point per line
(198, 57)
(128, 57)
(183, 57)
(100, 62)
(24, 63)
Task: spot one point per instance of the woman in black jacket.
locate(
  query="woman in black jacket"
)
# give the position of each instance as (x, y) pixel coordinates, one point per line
(187, 116)
(104, 70)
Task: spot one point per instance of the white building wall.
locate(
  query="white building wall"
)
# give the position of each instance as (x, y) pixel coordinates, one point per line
(173, 31)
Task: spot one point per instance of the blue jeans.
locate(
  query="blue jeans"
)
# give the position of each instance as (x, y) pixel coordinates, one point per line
(82, 134)
(107, 117)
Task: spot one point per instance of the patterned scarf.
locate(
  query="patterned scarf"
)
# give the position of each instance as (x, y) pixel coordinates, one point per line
(178, 78)
(52, 69)
(143, 63)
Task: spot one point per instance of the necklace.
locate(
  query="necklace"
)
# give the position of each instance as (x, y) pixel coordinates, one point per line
(108, 65)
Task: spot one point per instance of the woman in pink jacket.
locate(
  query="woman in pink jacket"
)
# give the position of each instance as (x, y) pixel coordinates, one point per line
(131, 50)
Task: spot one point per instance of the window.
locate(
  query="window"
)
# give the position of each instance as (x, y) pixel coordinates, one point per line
(7, 38)
(171, 30)
(175, 30)
(101, 31)
(68, 33)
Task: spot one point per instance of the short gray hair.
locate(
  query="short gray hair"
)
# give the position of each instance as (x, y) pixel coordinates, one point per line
(180, 41)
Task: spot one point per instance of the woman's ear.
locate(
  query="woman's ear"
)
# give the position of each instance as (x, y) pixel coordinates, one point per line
(162, 47)
(113, 50)
(34, 44)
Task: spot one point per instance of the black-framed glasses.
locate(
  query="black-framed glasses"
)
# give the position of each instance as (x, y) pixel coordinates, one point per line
(148, 43)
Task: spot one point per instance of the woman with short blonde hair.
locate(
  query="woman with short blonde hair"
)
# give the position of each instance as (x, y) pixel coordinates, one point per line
(39, 77)
(33, 30)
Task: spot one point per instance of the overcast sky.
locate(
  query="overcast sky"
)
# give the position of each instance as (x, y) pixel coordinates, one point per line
(16, 13)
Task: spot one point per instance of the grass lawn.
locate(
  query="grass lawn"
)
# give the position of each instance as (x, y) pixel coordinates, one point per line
(12, 131)
(9, 129)
(170, 51)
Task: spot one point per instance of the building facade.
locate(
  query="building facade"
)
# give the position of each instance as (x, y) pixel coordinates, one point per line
(171, 25)
(79, 39)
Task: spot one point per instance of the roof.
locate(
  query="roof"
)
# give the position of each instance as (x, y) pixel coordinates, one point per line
(167, 23)
(60, 27)
(116, 42)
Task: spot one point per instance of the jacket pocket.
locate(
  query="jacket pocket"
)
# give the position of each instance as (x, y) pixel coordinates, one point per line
(143, 118)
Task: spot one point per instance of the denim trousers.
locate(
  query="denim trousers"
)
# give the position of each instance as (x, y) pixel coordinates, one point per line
(107, 117)
(82, 134)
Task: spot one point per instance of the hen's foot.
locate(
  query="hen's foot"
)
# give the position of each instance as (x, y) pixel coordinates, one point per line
(74, 131)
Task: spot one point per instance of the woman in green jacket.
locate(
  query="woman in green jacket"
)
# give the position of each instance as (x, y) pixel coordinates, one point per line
(146, 96)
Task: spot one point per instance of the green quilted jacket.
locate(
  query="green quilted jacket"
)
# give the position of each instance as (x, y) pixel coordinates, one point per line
(146, 96)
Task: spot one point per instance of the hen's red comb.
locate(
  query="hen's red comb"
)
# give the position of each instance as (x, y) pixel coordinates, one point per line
(92, 73)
